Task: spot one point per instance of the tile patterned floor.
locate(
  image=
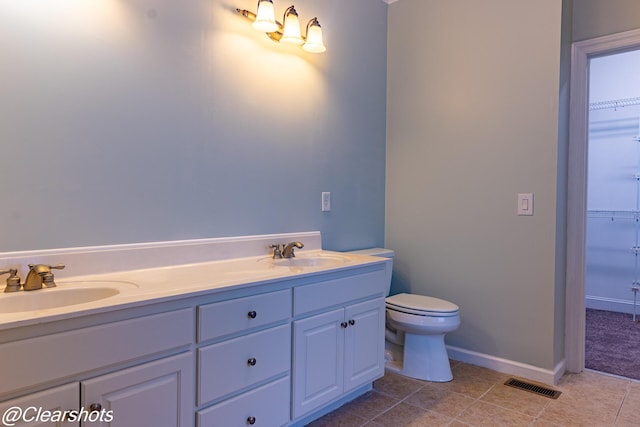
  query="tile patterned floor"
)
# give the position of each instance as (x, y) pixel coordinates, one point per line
(478, 397)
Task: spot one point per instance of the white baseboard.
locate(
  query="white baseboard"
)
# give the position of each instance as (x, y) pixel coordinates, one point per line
(506, 366)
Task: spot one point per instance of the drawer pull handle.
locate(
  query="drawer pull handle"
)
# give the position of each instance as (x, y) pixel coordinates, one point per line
(95, 407)
(251, 420)
(344, 324)
(252, 314)
(252, 361)
(352, 322)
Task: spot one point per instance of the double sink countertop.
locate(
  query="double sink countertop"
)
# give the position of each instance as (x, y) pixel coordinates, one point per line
(98, 293)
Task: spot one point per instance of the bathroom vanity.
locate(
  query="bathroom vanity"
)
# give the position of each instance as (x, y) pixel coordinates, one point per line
(225, 336)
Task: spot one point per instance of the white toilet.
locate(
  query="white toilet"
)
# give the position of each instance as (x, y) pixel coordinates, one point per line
(416, 326)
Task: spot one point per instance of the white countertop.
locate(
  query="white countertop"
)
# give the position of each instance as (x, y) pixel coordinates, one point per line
(138, 287)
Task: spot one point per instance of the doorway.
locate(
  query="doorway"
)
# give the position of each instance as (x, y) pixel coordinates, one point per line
(575, 307)
(612, 279)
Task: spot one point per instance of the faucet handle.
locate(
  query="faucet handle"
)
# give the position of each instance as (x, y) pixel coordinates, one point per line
(50, 267)
(48, 280)
(277, 253)
(13, 281)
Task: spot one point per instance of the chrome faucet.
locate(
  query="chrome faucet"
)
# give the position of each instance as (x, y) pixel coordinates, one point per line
(40, 274)
(287, 252)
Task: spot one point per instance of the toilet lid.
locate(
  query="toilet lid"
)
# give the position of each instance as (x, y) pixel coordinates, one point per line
(421, 303)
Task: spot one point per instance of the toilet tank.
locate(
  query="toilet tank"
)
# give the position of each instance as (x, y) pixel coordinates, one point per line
(381, 252)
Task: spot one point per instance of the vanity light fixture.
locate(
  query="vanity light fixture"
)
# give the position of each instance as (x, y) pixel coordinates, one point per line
(289, 30)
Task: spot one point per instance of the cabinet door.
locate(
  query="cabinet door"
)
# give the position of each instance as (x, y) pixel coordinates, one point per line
(364, 343)
(318, 361)
(158, 393)
(57, 400)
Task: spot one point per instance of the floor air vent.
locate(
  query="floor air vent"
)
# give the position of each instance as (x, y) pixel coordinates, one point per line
(542, 391)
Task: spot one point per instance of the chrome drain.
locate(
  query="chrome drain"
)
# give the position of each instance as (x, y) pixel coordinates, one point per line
(533, 388)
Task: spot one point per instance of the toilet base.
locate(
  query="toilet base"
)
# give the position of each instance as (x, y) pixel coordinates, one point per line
(423, 357)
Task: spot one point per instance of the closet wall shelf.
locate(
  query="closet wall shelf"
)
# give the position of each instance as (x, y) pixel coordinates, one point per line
(614, 214)
(616, 103)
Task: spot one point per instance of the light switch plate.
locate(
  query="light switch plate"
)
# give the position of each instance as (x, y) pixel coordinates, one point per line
(525, 204)
(326, 201)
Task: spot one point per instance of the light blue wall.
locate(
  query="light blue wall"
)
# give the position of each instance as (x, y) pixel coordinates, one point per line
(473, 120)
(595, 18)
(135, 121)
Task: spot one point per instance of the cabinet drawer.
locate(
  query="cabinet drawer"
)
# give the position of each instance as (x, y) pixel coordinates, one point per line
(228, 317)
(240, 362)
(267, 405)
(308, 298)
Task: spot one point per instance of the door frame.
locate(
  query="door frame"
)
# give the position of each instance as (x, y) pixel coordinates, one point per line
(575, 305)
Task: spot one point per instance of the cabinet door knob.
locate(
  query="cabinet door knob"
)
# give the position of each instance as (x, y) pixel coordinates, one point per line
(344, 324)
(251, 420)
(252, 361)
(352, 322)
(252, 314)
(95, 407)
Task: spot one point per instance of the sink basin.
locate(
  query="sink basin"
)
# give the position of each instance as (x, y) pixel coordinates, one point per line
(308, 262)
(65, 294)
(312, 261)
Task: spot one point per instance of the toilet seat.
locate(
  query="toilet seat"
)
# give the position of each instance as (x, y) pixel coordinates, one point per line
(421, 305)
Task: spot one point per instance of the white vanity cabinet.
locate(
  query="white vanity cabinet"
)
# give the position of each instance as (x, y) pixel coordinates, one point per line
(273, 352)
(338, 339)
(141, 387)
(244, 373)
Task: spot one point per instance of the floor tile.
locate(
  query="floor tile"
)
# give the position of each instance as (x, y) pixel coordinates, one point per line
(371, 404)
(341, 417)
(397, 386)
(437, 399)
(407, 415)
(517, 400)
(472, 381)
(582, 414)
(487, 414)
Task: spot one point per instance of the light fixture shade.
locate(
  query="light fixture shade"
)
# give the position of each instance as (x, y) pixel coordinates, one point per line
(291, 33)
(314, 42)
(265, 17)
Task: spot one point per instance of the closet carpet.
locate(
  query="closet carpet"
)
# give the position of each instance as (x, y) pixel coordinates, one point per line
(613, 343)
